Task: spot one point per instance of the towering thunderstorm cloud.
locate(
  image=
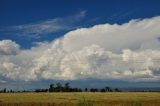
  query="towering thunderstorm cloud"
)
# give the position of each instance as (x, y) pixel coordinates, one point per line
(130, 51)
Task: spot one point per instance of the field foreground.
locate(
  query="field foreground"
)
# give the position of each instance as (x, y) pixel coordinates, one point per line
(81, 99)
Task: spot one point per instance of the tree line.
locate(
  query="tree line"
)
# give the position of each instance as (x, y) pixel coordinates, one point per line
(58, 87)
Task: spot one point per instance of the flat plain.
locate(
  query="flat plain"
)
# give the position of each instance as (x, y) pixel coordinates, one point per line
(81, 99)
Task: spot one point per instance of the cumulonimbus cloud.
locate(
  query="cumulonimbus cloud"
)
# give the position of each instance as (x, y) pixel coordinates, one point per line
(129, 52)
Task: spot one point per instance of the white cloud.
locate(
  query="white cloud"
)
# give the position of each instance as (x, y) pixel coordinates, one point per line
(131, 35)
(7, 47)
(124, 52)
(36, 30)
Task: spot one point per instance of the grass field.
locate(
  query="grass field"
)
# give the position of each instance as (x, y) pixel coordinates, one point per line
(81, 99)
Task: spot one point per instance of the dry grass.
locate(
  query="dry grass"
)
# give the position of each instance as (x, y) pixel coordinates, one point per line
(72, 99)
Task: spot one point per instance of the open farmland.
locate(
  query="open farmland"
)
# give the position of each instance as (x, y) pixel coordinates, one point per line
(81, 99)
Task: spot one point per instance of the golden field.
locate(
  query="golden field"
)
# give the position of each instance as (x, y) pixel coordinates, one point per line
(81, 99)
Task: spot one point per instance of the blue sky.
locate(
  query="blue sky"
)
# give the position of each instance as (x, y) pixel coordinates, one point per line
(100, 41)
(17, 12)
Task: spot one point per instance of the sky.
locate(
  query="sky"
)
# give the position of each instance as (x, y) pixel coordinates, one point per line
(90, 43)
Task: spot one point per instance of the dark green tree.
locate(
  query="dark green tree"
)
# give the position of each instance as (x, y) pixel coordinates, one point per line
(117, 90)
(102, 90)
(59, 87)
(4, 90)
(108, 89)
(67, 87)
(86, 90)
(51, 88)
